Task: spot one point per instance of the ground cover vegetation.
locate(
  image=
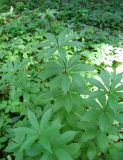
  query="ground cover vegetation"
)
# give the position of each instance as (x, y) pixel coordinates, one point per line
(61, 83)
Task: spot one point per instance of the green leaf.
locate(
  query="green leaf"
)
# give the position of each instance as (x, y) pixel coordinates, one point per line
(55, 83)
(46, 157)
(101, 99)
(45, 44)
(62, 58)
(12, 146)
(65, 82)
(33, 120)
(51, 68)
(91, 115)
(68, 103)
(34, 150)
(104, 122)
(91, 153)
(105, 76)
(83, 67)
(96, 83)
(74, 44)
(87, 135)
(119, 118)
(19, 156)
(72, 120)
(55, 126)
(24, 130)
(61, 154)
(73, 60)
(70, 37)
(45, 119)
(119, 88)
(61, 38)
(44, 141)
(74, 149)
(116, 78)
(51, 38)
(102, 141)
(30, 139)
(67, 137)
(120, 107)
(47, 53)
(77, 79)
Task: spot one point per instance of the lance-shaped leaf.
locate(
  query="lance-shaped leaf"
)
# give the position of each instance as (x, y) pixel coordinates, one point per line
(44, 141)
(65, 83)
(67, 137)
(33, 120)
(45, 119)
(83, 67)
(73, 60)
(51, 38)
(61, 38)
(102, 141)
(104, 122)
(91, 153)
(61, 154)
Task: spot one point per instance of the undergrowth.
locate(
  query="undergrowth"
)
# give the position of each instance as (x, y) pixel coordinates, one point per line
(61, 86)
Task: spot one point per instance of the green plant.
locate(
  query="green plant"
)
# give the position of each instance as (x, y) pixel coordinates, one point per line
(73, 104)
(42, 143)
(58, 99)
(20, 6)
